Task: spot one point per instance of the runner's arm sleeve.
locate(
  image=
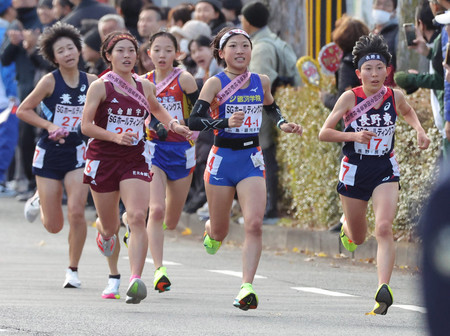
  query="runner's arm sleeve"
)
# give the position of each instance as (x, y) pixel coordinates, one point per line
(192, 98)
(199, 120)
(274, 113)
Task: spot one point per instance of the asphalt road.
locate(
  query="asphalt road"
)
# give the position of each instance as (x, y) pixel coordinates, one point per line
(298, 295)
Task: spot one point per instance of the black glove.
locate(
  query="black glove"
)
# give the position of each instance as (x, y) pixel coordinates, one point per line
(161, 131)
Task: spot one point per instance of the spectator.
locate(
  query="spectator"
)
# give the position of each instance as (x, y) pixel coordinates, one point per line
(13, 51)
(209, 11)
(144, 62)
(109, 23)
(254, 19)
(232, 9)
(91, 52)
(179, 15)
(129, 10)
(61, 8)
(428, 35)
(347, 32)
(9, 124)
(45, 13)
(86, 10)
(149, 22)
(386, 24)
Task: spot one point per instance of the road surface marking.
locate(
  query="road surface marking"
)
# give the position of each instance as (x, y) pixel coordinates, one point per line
(321, 291)
(236, 274)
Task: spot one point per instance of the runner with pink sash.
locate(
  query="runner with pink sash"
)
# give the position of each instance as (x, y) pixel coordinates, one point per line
(364, 106)
(230, 89)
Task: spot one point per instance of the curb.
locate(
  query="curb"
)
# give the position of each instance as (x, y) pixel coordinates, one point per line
(407, 255)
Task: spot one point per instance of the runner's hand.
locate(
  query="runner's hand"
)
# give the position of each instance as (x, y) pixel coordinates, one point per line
(127, 139)
(364, 137)
(236, 119)
(182, 130)
(291, 128)
(422, 140)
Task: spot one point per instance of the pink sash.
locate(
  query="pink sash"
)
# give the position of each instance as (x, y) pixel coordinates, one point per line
(166, 81)
(364, 106)
(126, 88)
(229, 90)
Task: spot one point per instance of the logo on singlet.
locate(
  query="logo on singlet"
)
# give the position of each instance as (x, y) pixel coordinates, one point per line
(83, 87)
(173, 87)
(387, 106)
(254, 90)
(114, 100)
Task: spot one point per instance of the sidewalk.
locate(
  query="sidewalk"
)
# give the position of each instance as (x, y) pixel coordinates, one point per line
(324, 242)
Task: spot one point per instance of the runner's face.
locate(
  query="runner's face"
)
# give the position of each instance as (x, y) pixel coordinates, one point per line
(65, 53)
(163, 52)
(237, 52)
(372, 74)
(123, 56)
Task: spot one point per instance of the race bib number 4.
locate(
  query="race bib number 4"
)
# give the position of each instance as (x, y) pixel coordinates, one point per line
(121, 124)
(252, 119)
(68, 117)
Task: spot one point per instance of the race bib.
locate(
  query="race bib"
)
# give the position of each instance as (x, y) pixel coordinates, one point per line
(213, 164)
(174, 109)
(38, 159)
(190, 157)
(91, 168)
(252, 119)
(379, 144)
(347, 173)
(258, 160)
(68, 117)
(121, 124)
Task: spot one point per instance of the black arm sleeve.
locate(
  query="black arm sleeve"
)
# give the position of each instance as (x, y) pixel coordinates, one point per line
(199, 119)
(274, 113)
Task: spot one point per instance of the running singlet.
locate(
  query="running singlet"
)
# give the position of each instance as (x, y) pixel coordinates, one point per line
(65, 106)
(175, 102)
(380, 121)
(118, 113)
(249, 100)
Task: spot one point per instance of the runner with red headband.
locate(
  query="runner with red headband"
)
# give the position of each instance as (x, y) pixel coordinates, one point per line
(118, 161)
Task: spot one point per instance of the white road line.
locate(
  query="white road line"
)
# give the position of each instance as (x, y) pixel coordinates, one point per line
(321, 291)
(165, 262)
(236, 274)
(411, 307)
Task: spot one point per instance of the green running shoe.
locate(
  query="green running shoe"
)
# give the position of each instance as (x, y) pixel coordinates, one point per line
(126, 237)
(347, 242)
(136, 291)
(384, 299)
(247, 298)
(210, 244)
(164, 226)
(161, 281)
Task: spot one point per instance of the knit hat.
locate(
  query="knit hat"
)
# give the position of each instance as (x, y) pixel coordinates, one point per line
(217, 4)
(194, 28)
(92, 39)
(4, 5)
(256, 13)
(232, 4)
(45, 3)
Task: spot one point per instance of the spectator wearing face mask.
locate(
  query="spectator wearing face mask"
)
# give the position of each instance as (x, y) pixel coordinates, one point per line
(386, 24)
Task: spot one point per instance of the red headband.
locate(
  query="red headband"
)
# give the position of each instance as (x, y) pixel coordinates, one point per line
(119, 37)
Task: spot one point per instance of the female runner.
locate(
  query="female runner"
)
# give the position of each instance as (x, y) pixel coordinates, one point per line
(173, 157)
(117, 163)
(59, 155)
(369, 167)
(235, 161)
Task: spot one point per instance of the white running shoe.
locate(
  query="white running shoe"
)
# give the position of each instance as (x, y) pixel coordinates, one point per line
(136, 292)
(32, 208)
(106, 247)
(112, 290)
(72, 280)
